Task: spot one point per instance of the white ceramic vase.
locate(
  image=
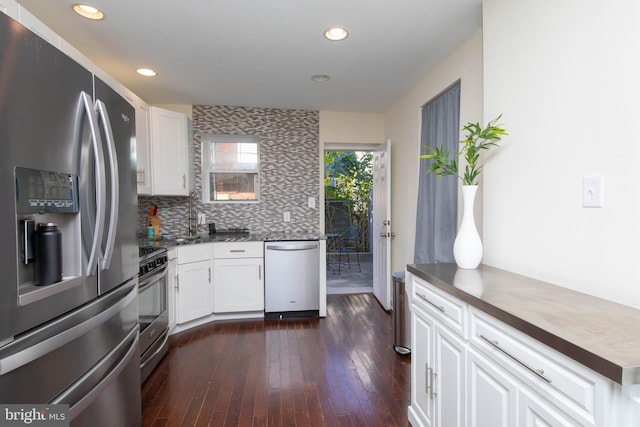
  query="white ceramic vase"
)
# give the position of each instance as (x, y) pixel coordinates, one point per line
(467, 248)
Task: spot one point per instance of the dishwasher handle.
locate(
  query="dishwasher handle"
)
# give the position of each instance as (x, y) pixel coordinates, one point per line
(291, 247)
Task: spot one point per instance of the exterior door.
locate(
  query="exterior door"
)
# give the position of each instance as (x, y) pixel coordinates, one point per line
(382, 224)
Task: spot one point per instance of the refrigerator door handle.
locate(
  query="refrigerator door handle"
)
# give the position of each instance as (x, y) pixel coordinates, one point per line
(100, 184)
(105, 262)
(79, 387)
(28, 355)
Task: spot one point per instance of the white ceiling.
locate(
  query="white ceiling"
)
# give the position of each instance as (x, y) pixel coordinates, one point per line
(262, 53)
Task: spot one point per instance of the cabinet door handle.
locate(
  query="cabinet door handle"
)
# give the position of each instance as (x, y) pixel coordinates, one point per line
(430, 376)
(495, 344)
(209, 274)
(177, 282)
(427, 379)
(184, 181)
(425, 299)
(259, 272)
(433, 384)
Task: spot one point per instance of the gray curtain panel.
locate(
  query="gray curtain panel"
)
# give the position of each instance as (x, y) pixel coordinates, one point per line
(437, 216)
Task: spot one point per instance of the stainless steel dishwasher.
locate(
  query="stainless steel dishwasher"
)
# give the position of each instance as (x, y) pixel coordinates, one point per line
(291, 278)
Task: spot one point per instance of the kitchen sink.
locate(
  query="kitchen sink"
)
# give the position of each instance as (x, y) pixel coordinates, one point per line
(187, 239)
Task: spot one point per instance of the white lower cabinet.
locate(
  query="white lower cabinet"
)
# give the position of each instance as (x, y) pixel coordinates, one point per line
(238, 277)
(449, 378)
(421, 347)
(172, 286)
(194, 294)
(471, 370)
(438, 366)
(491, 393)
(536, 411)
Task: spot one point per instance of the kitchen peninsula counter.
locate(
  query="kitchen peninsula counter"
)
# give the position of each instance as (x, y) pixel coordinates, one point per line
(602, 335)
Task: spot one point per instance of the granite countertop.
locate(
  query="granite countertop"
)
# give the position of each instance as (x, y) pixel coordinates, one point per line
(170, 242)
(600, 334)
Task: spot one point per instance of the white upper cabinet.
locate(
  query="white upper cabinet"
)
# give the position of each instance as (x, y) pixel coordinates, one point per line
(144, 171)
(9, 7)
(169, 147)
(35, 25)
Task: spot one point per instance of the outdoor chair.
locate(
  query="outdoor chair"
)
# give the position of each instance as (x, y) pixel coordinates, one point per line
(347, 245)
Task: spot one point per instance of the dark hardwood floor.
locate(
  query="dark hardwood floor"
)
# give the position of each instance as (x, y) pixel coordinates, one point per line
(337, 371)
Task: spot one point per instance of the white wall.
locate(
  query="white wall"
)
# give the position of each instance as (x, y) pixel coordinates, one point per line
(565, 75)
(402, 126)
(351, 128)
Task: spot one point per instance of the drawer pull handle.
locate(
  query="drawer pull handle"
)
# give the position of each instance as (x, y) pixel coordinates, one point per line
(496, 345)
(237, 250)
(424, 298)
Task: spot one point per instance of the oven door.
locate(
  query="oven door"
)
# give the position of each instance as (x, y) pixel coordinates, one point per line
(154, 318)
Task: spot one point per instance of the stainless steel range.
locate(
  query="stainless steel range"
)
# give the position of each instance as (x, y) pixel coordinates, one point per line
(154, 317)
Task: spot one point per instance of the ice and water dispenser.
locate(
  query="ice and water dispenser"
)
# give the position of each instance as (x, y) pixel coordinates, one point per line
(49, 241)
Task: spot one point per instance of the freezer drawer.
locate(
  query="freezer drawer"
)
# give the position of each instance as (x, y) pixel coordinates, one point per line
(81, 355)
(109, 394)
(291, 277)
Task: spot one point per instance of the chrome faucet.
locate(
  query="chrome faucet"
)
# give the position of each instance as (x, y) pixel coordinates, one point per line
(192, 224)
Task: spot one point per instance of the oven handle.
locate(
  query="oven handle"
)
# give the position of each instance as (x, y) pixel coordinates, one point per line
(158, 350)
(155, 276)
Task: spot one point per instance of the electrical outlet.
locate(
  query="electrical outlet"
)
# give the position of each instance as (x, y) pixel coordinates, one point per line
(202, 219)
(287, 216)
(311, 202)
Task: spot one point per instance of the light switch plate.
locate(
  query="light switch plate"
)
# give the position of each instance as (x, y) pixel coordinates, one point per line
(311, 202)
(592, 191)
(287, 216)
(202, 218)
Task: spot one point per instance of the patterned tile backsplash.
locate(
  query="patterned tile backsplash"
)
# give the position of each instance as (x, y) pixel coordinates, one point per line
(289, 150)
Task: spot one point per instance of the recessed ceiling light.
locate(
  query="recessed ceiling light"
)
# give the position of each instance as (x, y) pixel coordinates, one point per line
(88, 11)
(336, 33)
(147, 72)
(320, 77)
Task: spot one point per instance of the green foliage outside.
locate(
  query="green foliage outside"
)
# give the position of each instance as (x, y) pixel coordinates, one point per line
(347, 185)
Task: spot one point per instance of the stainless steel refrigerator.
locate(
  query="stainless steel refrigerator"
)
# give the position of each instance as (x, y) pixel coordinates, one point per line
(67, 157)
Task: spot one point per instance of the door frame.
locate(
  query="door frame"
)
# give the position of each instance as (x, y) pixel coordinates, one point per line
(338, 146)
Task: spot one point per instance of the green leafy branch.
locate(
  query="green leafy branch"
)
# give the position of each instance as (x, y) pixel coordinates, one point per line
(477, 139)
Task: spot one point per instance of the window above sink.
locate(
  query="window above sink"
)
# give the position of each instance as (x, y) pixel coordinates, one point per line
(230, 168)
